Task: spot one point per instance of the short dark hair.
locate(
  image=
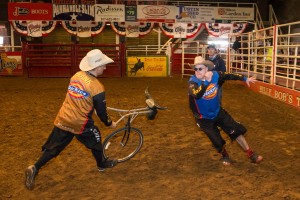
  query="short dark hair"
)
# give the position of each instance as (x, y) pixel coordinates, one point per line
(213, 46)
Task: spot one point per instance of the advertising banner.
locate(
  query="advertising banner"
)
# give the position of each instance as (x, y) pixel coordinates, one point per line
(11, 64)
(223, 30)
(180, 30)
(286, 95)
(132, 29)
(195, 14)
(152, 66)
(156, 13)
(130, 13)
(34, 28)
(234, 14)
(29, 11)
(70, 12)
(109, 13)
(84, 29)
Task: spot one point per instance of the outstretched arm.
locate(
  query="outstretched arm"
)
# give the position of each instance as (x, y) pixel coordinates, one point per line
(230, 76)
(250, 80)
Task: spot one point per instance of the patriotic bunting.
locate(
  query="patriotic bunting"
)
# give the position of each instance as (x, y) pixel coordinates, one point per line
(97, 27)
(132, 29)
(83, 28)
(223, 30)
(143, 28)
(48, 27)
(176, 30)
(88, 19)
(34, 28)
(119, 28)
(128, 29)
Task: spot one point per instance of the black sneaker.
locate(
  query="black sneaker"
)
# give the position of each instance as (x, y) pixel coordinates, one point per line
(107, 164)
(30, 174)
(226, 161)
(254, 158)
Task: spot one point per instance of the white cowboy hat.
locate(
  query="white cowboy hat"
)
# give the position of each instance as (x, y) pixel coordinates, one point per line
(94, 58)
(199, 60)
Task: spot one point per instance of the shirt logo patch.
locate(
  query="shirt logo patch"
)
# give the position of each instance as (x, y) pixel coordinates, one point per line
(211, 92)
(76, 90)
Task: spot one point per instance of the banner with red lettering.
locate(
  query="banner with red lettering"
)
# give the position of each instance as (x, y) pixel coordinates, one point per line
(223, 30)
(22, 27)
(34, 28)
(156, 13)
(132, 29)
(143, 27)
(30, 11)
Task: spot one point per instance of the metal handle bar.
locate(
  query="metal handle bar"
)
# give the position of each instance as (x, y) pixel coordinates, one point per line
(152, 107)
(133, 113)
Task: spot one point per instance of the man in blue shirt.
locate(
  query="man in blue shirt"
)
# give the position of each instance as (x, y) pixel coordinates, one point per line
(205, 104)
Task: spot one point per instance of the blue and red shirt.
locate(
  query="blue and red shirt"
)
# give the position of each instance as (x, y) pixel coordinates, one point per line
(204, 96)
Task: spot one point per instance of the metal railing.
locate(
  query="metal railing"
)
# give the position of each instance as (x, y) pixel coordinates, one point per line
(264, 55)
(146, 50)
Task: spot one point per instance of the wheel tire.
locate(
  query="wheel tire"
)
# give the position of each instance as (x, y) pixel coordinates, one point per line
(114, 148)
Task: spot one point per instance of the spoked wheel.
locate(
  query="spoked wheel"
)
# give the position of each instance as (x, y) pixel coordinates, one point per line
(123, 144)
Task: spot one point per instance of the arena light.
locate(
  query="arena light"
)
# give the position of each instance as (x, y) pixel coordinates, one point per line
(218, 42)
(1, 41)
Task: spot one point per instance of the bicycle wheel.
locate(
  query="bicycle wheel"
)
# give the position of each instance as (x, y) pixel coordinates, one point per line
(123, 144)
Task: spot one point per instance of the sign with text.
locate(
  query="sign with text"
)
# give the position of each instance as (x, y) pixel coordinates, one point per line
(109, 13)
(151, 66)
(286, 95)
(11, 64)
(70, 12)
(234, 13)
(130, 13)
(156, 13)
(30, 11)
(91, 2)
(196, 14)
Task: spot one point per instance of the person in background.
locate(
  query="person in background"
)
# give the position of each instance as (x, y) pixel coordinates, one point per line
(206, 107)
(219, 64)
(85, 95)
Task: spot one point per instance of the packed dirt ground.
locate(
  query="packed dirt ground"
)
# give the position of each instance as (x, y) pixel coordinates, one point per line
(176, 161)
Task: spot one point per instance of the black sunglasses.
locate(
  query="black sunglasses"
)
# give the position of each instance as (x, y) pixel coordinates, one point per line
(198, 69)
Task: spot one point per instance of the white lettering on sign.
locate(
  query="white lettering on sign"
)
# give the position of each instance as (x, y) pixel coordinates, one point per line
(298, 101)
(265, 90)
(282, 96)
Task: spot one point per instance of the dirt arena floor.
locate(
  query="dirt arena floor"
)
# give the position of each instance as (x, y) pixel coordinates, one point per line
(176, 161)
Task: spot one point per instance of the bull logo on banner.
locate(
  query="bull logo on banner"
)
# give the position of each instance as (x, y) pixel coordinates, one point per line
(137, 66)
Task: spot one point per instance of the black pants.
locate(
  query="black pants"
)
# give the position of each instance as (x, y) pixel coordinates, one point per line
(210, 127)
(59, 139)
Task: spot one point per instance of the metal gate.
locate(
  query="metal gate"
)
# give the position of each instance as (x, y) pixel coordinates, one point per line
(57, 60)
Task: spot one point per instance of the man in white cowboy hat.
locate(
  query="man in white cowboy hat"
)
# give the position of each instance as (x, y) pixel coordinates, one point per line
(210, 116)
(85, 95)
